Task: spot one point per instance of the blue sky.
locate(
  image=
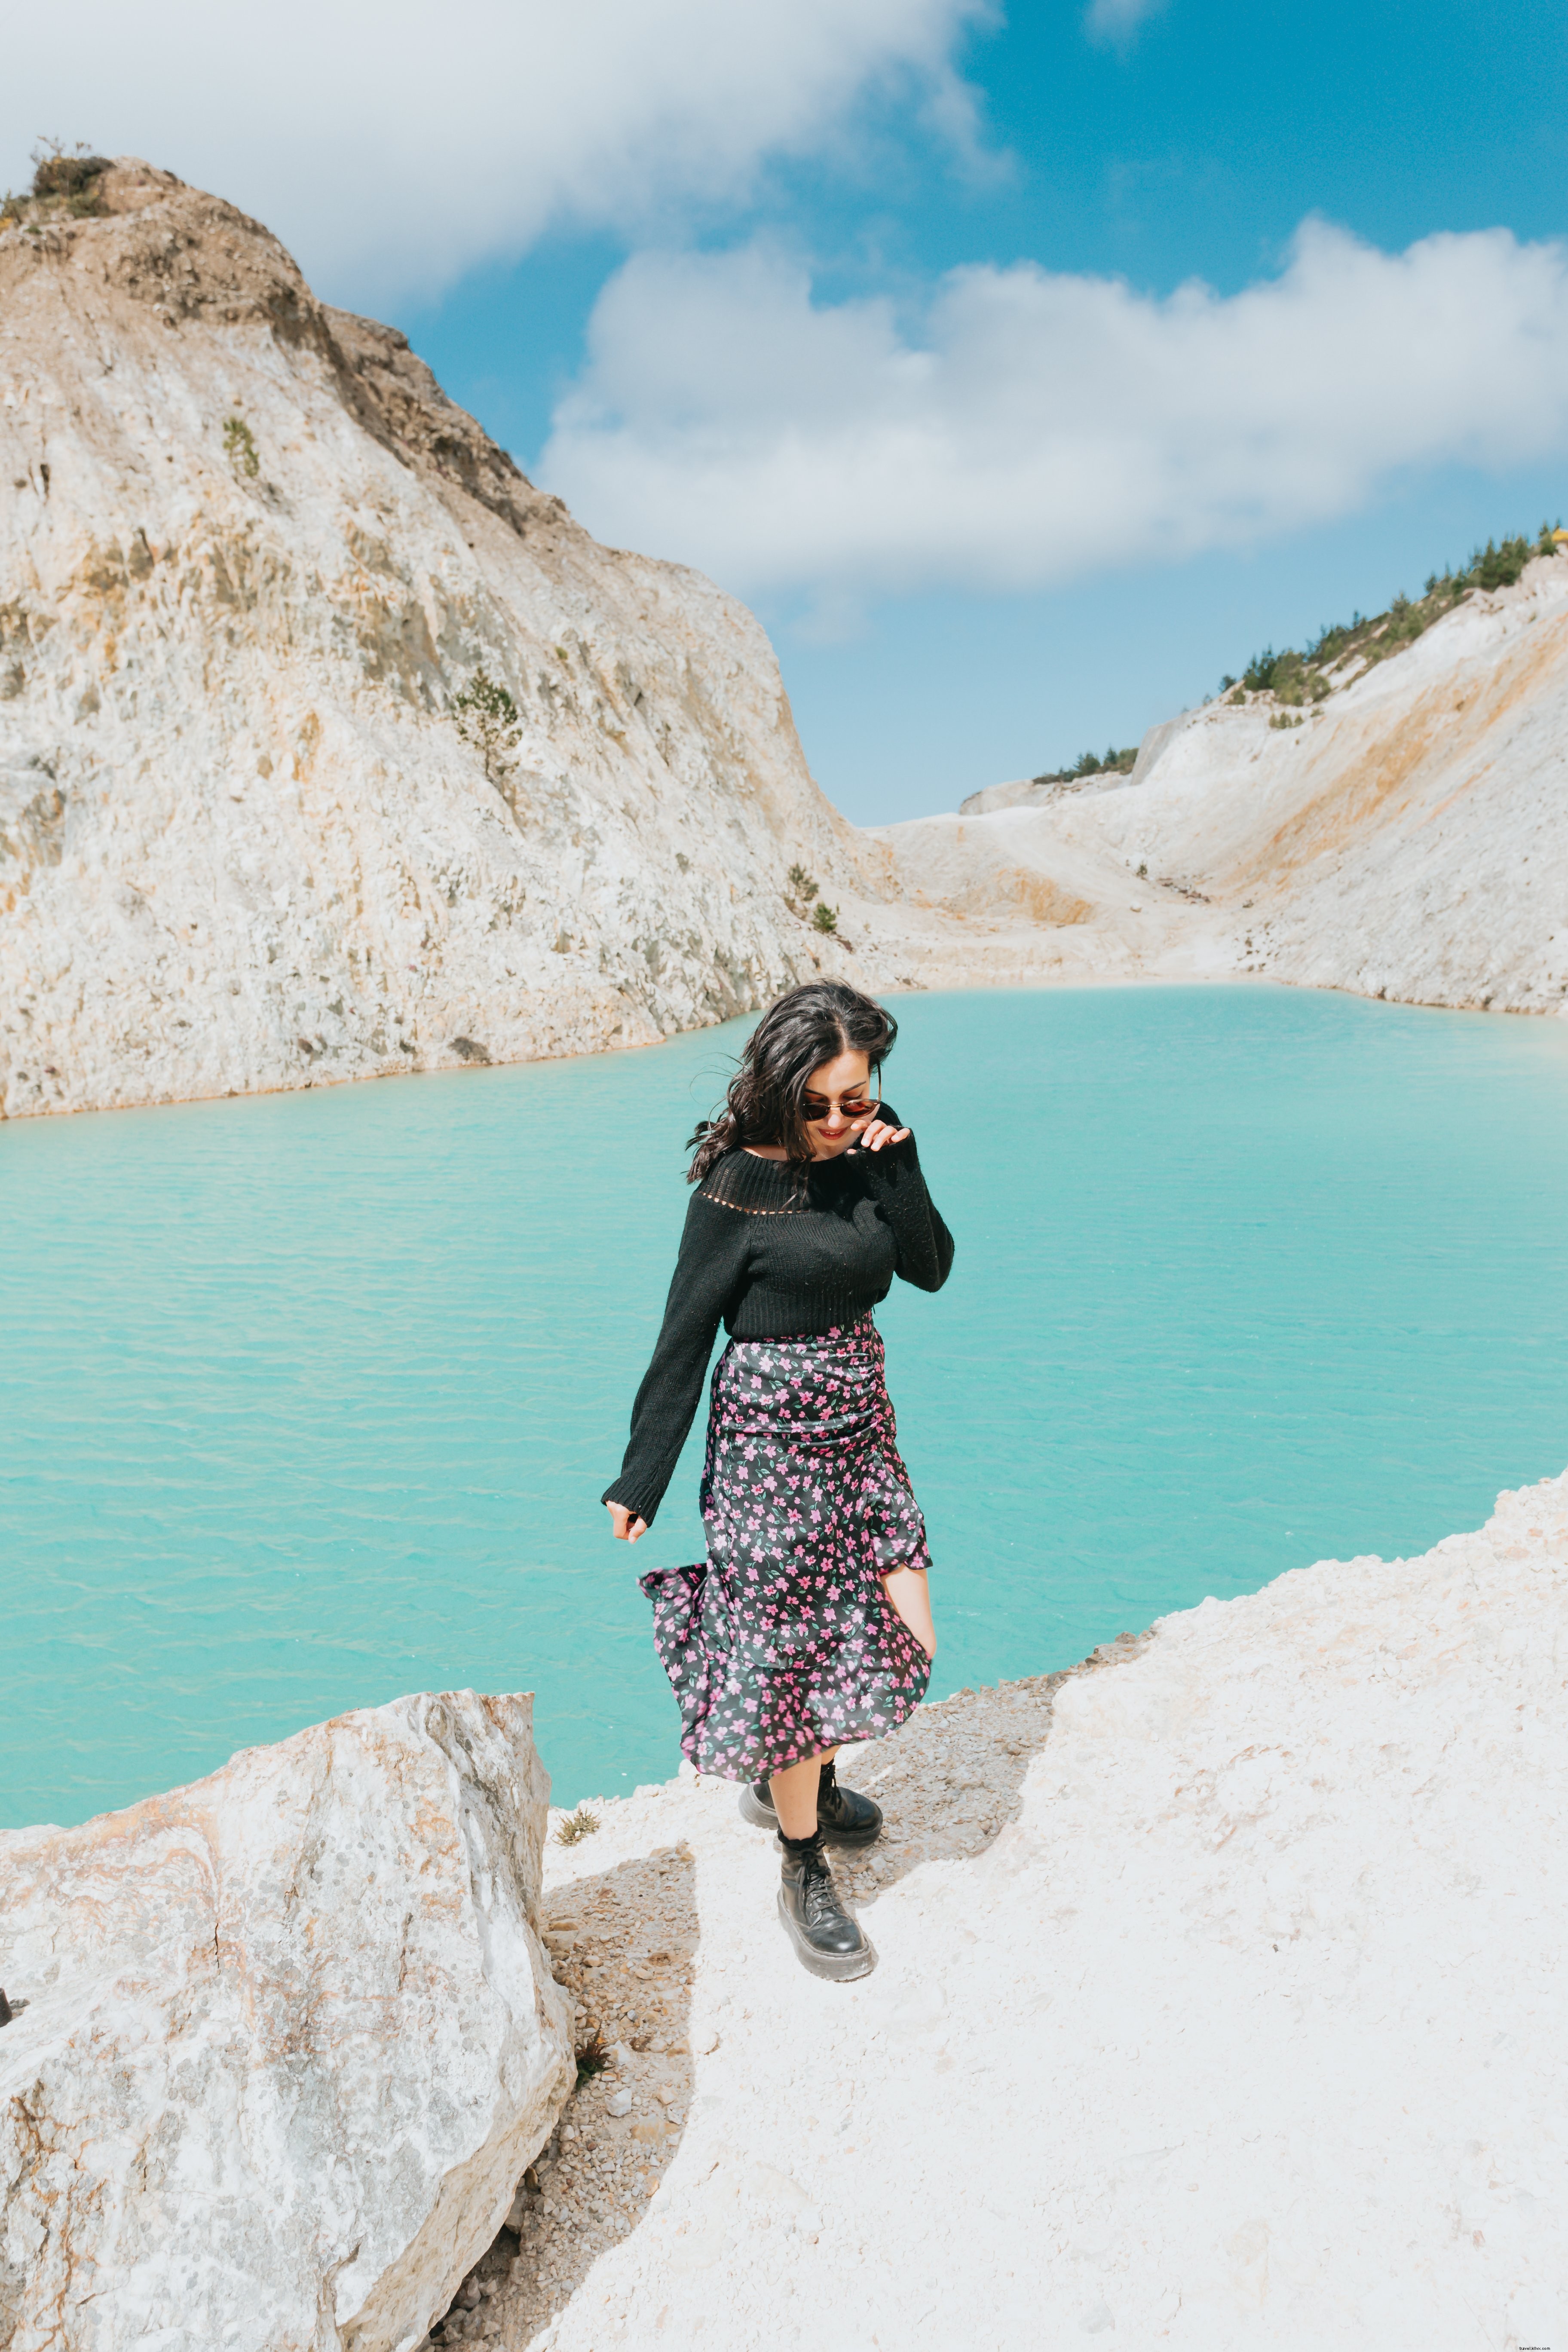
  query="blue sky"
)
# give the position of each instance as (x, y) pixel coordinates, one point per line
(1193, 147)
(871, 308)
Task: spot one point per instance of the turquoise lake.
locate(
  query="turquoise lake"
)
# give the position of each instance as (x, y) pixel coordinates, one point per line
(308, 1400)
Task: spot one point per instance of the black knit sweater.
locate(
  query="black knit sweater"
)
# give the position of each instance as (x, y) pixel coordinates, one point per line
(771, 1260)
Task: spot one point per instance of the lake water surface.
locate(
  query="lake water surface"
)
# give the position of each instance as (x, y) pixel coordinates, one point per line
(308, 1400)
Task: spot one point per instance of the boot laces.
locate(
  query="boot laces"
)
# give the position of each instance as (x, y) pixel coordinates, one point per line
(819, 1895)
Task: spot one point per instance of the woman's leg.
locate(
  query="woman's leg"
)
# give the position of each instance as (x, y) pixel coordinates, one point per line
(828, 1940)
(795, 1795)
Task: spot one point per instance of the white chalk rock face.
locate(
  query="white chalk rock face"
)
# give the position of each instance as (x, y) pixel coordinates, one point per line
(1404, 837)
(289, 2040)
(251, 558)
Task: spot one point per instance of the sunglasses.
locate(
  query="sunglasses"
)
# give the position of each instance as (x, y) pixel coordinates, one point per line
(815, 1108)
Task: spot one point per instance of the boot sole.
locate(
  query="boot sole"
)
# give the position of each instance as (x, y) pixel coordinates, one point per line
(762, 1817)
(838, 1968)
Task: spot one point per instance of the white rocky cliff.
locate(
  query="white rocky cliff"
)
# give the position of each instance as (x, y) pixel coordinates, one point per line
(1218, 2007)
(1406, 836)
(284, 2041)
(250, 555)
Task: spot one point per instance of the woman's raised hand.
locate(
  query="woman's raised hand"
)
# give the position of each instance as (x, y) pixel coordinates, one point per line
(625, 1527)
(877, 1132)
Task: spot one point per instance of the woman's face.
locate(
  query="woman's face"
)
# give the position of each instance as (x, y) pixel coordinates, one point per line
(838, 1087)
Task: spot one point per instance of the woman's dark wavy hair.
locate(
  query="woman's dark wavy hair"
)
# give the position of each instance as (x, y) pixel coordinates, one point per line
(794, 1036)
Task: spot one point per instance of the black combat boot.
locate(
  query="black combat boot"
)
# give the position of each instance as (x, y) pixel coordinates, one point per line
(826, 1939)
(843, 1817)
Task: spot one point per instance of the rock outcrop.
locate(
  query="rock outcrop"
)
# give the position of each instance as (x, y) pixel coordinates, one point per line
(250, 558)
(1405, 837)
(289, 2038)
(1218, 1987)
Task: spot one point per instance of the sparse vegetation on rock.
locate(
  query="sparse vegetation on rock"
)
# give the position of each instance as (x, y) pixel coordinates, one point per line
(239, 448)
(801, 897)
(1090, 764)
(592, 2057)
(65, 180)
(485, 718)
(800, 891)
(1344, 649)
(576, 1826)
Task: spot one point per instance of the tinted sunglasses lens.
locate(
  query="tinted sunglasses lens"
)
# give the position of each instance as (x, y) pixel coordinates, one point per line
(815, 1108)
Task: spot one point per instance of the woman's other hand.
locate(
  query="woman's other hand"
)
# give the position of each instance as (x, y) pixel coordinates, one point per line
(625, 1527)
(909, 1596)
(877, 1132)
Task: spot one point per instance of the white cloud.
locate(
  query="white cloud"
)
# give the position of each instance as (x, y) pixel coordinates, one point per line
(392, 144)
(1118, 20)
(1028, 427)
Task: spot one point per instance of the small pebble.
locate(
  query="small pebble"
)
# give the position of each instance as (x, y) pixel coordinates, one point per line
(619, 2102)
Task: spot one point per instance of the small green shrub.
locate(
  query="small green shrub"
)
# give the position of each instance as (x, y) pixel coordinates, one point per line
(576, 1827)
(1500, 567)
(592, 2057)
(239, 448)
(800, 890)
(486, 719)
(1089, 763)
(65, 181)
(825, 919)
(70, 172)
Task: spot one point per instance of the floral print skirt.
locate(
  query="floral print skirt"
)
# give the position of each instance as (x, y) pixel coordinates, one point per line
(783, 1642)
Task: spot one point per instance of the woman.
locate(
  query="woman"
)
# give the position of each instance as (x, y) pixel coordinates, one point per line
(810, 1622)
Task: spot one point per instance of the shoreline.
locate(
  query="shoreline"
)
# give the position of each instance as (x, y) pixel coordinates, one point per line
(1057, 984)
(477, 1071)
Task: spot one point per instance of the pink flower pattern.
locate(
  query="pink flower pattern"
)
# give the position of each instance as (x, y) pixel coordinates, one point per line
(783, 1642)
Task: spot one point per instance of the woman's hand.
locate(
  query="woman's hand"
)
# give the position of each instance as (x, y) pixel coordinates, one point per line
(627, 1529)
(877, 1132)
(909, 1597)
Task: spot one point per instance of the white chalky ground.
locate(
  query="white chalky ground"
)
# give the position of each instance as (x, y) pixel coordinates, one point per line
(1220, 2004)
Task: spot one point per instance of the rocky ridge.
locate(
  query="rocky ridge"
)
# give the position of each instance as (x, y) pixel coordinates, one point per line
(1404, 837)
(251, 556)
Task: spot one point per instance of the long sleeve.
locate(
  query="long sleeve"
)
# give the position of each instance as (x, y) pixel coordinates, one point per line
(710, 1265)
(893, 1179)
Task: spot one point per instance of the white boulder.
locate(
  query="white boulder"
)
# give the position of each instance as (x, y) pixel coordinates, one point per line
(289, 2038)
